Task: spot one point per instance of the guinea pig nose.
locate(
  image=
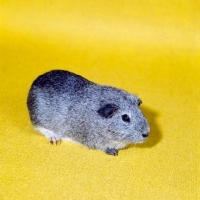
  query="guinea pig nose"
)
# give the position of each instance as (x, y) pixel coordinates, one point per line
(144, 135)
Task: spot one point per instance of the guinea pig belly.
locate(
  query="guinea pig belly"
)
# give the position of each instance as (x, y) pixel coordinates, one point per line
(67, 139)
(119, 145)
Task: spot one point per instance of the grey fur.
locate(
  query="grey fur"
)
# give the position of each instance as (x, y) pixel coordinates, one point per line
(64, 105)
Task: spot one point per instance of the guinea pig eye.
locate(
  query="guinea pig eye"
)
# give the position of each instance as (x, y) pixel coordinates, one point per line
(126, 118)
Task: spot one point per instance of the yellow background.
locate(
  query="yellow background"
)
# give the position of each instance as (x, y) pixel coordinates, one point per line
(150, 48)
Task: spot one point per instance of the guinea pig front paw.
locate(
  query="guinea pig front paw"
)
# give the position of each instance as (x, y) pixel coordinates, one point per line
(54, 140)
(112, 151)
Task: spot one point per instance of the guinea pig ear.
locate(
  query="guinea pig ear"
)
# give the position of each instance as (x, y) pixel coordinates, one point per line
(139, 102)
(108, 110)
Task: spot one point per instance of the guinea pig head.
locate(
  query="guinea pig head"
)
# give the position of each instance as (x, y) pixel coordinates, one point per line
(124, 121)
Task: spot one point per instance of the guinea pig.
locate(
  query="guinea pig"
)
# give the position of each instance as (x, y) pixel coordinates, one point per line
(66, 106)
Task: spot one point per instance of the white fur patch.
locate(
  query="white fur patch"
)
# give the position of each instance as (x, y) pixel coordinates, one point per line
(120, 145)
(67, 139)
(50, 134)
(46, 132)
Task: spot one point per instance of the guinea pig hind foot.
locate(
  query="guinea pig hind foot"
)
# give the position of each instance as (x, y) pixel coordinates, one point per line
(54, 140)
(50, 135)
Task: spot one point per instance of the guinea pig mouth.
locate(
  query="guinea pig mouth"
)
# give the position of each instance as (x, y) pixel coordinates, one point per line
(140, 140)
(135, 139)
(131, 139)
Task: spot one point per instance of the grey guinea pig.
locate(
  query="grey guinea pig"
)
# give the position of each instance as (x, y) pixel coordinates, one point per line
(66, 106)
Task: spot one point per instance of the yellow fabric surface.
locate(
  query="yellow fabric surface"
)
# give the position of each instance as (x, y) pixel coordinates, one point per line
(149, 48)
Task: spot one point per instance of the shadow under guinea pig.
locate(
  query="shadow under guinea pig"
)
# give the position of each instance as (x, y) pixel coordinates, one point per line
(155, 132)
